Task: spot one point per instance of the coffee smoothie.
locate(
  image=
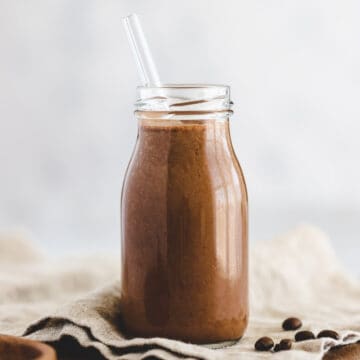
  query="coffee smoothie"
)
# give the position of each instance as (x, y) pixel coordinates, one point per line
(184, 229)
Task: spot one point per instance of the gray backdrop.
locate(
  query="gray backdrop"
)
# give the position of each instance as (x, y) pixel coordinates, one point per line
(67, 87)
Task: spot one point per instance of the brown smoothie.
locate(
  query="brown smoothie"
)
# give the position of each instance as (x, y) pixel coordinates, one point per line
(184, 234)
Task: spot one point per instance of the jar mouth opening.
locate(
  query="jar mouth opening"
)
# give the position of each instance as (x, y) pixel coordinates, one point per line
(182, 98)
(186, 86)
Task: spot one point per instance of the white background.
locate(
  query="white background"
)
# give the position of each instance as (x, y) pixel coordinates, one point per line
(67, 87)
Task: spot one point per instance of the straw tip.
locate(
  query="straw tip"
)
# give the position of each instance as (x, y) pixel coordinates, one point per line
(140, 48)
(130, 16)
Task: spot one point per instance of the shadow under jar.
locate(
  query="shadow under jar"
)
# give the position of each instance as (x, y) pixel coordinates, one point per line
(184, 220)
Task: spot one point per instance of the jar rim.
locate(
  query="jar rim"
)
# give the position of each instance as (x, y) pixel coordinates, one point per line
(186, 86)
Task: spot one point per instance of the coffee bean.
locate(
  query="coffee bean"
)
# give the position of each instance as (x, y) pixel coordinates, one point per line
(349, 337)
(264, 344)
(285, 344)
(304, 335)
(328, 334)
(292, 323)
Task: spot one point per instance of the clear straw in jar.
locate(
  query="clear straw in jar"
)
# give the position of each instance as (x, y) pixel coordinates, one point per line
(141, 51)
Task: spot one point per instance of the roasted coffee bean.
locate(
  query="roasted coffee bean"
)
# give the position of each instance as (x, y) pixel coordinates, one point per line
(349, 337)
(285, 344)
(304, 335)
(277, 348)
(292, 323)
(264, 344)
(328, 334)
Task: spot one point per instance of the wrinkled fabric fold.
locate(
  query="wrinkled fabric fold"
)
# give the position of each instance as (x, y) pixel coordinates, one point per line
(297, 274)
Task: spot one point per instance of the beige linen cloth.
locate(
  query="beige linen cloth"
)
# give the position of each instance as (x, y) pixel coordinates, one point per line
(295, 274)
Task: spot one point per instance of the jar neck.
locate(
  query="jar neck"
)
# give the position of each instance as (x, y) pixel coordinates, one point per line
(184, 102)
(205, 131)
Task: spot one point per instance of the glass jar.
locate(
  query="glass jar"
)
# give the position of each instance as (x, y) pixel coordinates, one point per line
(184, 219)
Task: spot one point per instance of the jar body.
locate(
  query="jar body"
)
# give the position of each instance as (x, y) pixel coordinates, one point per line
(184, 234)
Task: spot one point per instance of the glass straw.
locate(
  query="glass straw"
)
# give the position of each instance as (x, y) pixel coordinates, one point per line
(140, 48)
